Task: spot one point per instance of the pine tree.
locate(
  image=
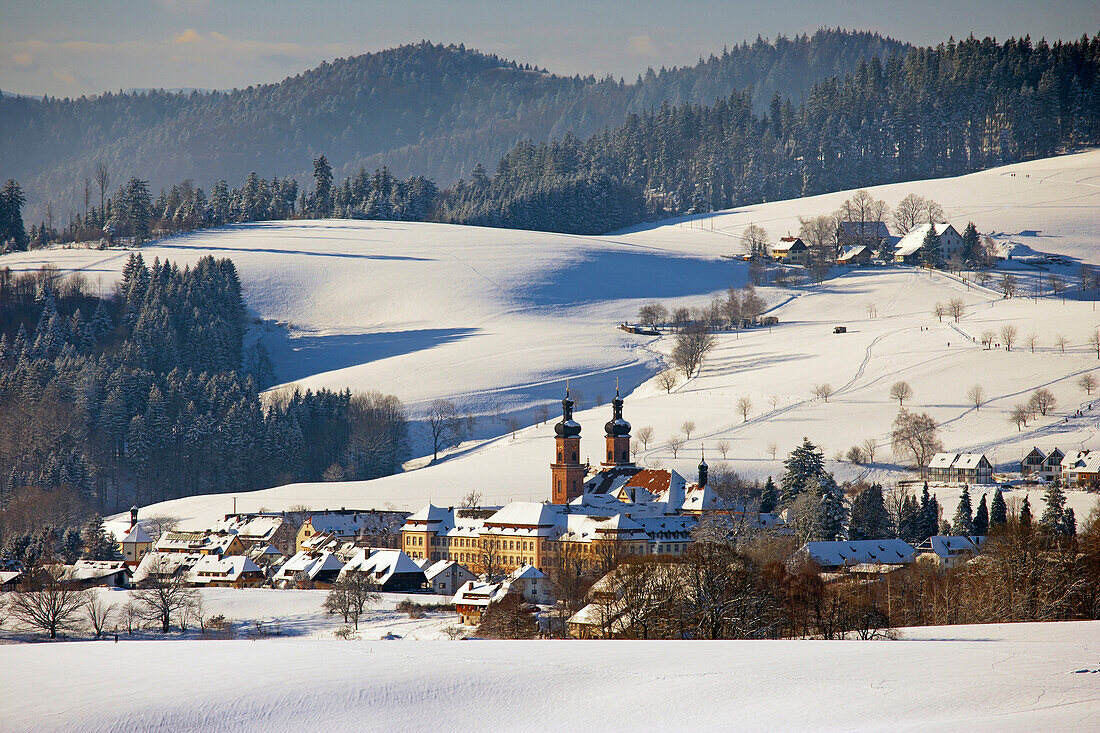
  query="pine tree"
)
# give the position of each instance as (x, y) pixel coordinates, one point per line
(832, 513)
(870, 520)
(930, 253)
(322, 187)
(981, 518)
(1053, 521)
(970, 251)
(963, 522)
(98, 545)
(998, 513)
(1025, 513)
(910, 522)
(768, 496)
(804, 465)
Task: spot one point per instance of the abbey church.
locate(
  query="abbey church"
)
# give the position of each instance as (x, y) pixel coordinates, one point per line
(620, 508)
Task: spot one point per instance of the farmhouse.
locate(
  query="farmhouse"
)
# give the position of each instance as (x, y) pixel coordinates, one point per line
(108, 573)
(909, 248)
(364, 527)
(235, 571)
(791, 250)
(447, 576)
(202, 542)
(856, 256)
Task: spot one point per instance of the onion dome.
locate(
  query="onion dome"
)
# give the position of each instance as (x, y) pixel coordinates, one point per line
(617, 426)
(567, 427)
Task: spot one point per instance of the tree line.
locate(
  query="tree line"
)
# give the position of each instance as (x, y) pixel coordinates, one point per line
(148, 393)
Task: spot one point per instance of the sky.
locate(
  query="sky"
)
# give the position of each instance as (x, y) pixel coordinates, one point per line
(74, 47)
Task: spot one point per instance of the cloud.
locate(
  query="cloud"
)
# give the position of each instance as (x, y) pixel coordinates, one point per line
(188, 36)
(641, 45)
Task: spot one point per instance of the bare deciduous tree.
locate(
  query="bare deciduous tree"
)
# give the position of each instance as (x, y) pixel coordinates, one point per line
(773, 401)
(1087, 382)
(1031, 341)
(692, 346)
(675, 443)
(824, 391)
(955, 308)
(723, 448)
(754, 242)
(915, 438)
(914, 210)
(445, 426)
(772, 449)
(1061, 342)
(350, 596)
(652, 314)
(47, 600)
(471, 499)
(744, 407)
(687, 427)
(162, 595)
(1042, 401)
(901, 391)
(939, 311)
(1008, 335)
(645, 435)
(98, 612)
(1008, 285)
(667, 379)
(102, 179)
(869, 446)
(1094, 342)
(1020, 415)
(976, 395)
(855, 455)
(988, 337)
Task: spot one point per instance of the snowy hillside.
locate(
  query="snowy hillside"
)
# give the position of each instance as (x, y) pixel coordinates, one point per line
(499, 319)
(1009, 677)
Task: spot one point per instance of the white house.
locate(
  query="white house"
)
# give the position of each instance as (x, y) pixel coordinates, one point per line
(531, 583)
(908, 249)
(446, 576)
(1081, 468)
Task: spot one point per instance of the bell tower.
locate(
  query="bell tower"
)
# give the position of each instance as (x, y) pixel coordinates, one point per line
(617, 435)
(567, 472)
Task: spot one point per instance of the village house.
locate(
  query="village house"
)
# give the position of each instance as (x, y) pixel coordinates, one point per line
(790, 250)
(445, 577)
(365, 527)
(856, 256)
(262, 528)
(234, 571)
(390, 570)
(1081, 469)
(473, 598)
(201, 542)
(1045, 466)
(948, 551)
(165, 565)
(970, 468)
(908, 250)
(834, 555)
(10, 580)
(319, 569)
(107, 573)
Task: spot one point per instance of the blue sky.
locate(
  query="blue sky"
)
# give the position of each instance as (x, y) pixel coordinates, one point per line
(74, 47)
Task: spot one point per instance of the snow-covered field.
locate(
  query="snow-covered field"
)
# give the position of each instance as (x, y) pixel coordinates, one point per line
(499, 319)
(1010, 677)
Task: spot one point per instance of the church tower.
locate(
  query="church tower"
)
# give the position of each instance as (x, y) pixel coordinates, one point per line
(567, 473)
(617, 435)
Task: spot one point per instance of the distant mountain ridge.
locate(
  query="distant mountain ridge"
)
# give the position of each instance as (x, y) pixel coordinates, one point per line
(427, 109)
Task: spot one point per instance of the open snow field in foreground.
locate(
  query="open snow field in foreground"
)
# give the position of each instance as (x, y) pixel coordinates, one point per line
(1010, 677)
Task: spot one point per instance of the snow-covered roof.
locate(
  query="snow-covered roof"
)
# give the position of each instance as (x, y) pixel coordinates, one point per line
(854, 252)
(526, 572)
(7, 576)
(429, 514)
(943, 460)
(479, 593)
(230, 567)
(137, 535)
(350, 522)
(528, 513)
(969, 460)
(914, 238)
(949, 546)
(442, 566)
(1082, 461)
(852, 552)
(311, 564)
(165, 563)
(382, 565)
(787, 243)
(93, 569)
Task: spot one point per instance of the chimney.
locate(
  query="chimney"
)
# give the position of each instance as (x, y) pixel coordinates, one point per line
(133, 516)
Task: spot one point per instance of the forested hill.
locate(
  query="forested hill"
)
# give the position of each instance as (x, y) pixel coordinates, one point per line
(423, 109)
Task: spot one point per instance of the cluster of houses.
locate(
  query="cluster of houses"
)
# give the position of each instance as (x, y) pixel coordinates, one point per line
(857, 242)
(1077, 469)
